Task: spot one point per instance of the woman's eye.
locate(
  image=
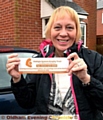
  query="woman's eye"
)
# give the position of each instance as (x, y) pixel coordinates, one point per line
(70, 28)
(57, 27)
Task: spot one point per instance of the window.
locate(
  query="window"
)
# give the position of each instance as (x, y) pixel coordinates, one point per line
(70, 0)
(4, 76)
(44, 23)
(83, 29)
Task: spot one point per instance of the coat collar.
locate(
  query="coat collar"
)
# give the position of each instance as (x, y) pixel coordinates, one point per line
(48, 50)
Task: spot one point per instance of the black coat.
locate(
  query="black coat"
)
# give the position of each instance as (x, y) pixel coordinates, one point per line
(35, 92)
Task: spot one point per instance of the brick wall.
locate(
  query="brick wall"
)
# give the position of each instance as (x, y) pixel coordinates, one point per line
(20, 23)
(7, 22)
(28, 23)
(90, 7)
(99, 22)
(99, 31)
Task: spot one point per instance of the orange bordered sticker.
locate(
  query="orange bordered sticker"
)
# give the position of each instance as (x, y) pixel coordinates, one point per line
(43, 65)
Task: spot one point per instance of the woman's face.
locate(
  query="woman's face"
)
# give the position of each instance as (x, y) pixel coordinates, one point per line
(63, 33)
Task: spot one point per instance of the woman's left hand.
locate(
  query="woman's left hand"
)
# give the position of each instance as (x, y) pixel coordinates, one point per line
(78, 67)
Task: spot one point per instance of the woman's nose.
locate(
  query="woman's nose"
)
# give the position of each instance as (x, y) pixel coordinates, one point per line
(63, 32)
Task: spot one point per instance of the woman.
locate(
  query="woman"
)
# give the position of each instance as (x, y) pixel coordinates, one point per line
(77, 92)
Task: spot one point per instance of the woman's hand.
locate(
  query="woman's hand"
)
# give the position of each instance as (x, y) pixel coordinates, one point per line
(78, 67)
(12, 67)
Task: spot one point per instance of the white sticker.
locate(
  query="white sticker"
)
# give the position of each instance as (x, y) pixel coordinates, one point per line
(43, 65)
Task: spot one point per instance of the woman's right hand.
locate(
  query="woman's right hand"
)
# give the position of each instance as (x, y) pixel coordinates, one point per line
(12, 67)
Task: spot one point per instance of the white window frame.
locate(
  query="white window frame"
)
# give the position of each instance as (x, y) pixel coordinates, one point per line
(44, 26)
(83, 24)
(70, 0)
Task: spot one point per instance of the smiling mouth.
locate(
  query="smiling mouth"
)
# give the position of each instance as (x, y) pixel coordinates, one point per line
(62, 40)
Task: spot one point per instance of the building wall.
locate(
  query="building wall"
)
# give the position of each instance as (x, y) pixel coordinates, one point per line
(99, 22)
(99, 31)
(90, 7)
(7, 25)
(28, 23)
(21, 25)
